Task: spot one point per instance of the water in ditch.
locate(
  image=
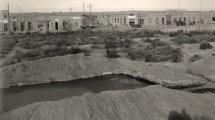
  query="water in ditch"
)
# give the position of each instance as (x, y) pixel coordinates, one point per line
(15, 97)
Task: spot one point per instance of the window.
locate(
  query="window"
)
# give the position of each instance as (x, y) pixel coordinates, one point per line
(5, 16)
(5, 27)
(131, 14)
(14, 26)
(29, 26)
(213, 19)
(22, 24)
(56, 25)
(150, 20)
(163, 20)
(117, 20)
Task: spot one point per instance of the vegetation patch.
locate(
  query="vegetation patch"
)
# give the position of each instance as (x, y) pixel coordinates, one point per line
(195, 58)
(205, 46)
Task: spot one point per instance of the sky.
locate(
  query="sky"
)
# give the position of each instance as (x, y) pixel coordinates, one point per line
(103, 5)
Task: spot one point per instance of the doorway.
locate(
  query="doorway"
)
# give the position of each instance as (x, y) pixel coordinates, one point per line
(56, 25)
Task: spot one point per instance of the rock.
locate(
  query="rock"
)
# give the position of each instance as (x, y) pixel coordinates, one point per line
(71, 67)
(149, 103)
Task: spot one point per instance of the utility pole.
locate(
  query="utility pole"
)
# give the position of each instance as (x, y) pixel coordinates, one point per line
(90, 6)
(200, 16)
(83, 7)
(71, 10)
(8, 17)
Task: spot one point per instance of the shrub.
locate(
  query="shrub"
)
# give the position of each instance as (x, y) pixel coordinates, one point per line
(184, 39)
(60, 50)
(28, 55)
(136, 54)
(113, 43)
(19, 55)
(112, 53)
(204, 46)
(177, 33)
(161, 43)
(30, 45)
(195, 58)
(7, 44)
(33, 53)
(151, 58)
(177, 55)
(110, 43)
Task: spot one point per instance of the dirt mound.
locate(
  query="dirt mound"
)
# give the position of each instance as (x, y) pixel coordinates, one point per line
(71, 67)
(150, 103)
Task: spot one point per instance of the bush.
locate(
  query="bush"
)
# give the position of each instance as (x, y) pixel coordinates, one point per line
(177, 55)
(113, 43)
(30, 45)
(177, 33)
(34, 53)
(183, 40)
(136, 54)
(195, 58)
(7, 44)
(19, 55)
(110, 43)
(112, 53)
(204, 46)
(60, 50)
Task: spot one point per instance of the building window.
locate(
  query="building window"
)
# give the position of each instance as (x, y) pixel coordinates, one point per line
(163, 20)
(14, 26)
(117, 20)
(5, 27)
(29, 26)
(56, 25)
(213, 19)
(5, 16)
(131, 14)
(103, 15)
(22, 24)
(150, 20)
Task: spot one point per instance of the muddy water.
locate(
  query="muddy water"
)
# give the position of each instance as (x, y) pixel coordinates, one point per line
(15, 97)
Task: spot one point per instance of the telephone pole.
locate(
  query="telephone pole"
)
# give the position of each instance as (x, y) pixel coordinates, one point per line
(71, 10)
(8, 17)
(200, 15)
(90, 6)
(83, 7)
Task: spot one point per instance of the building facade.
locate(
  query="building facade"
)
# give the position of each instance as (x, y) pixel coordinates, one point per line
(59, 22)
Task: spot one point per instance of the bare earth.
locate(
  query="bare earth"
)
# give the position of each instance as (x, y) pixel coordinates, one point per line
(150, 103)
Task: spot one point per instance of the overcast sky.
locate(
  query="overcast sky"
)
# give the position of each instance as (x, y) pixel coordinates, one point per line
(103, 5)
